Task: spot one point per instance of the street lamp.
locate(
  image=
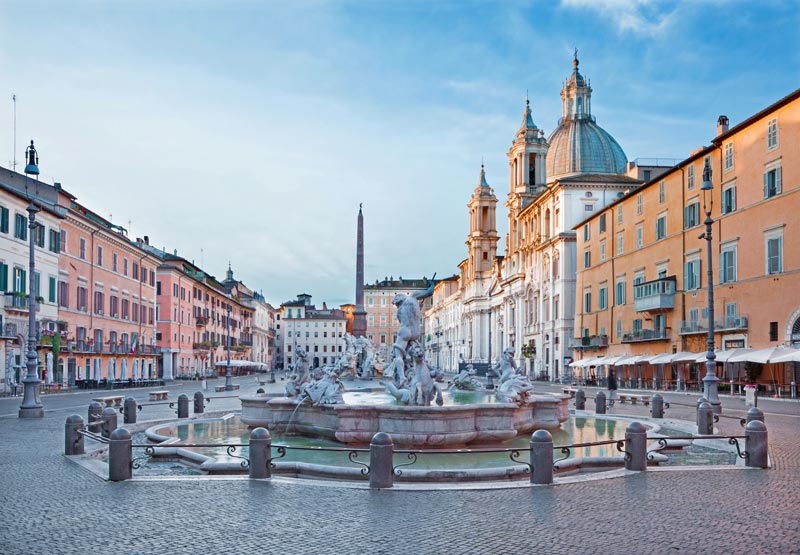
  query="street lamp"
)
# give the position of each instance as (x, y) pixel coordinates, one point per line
(31, 405)
(228, 383)
(710, 380)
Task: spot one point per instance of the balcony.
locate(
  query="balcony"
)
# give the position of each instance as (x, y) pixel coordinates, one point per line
(639, 336)
(729, 323)
(655, 296)
(201, 321)
(19, 303)
(588, 343)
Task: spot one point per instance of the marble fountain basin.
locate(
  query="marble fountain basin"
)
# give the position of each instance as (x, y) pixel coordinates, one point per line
(418, 426)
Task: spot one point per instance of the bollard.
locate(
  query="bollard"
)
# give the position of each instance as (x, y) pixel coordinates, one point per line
(199, 402)
(793, 390)
(600, 403)
(109, 419)
(700, 401)
(73, 441)
(119, 455)
(260, 450)
(541, 457)
(636, 447)
(756, 445)
(381, 459)
(754, 413)
(705, 419)
(260, 391)
(183, 406)
(657, 406)
(580, 400)
(130, 410)
(95, 412)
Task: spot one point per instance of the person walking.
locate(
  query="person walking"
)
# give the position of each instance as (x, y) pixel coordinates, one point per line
(612, 386)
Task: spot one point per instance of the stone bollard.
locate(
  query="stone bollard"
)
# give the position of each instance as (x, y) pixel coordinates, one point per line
(636, 446)
(199, 402)
(541, 457)
(754, 413)
(700, 401)
(183, 406)
(119, 455)
(95, 413)
(381, 460)
(657, 406)
(129, 410)
(73, 441)
(109, 418)
(705, 419)
(580, 400)
(260, 450)
(600, 403)
(756, 445)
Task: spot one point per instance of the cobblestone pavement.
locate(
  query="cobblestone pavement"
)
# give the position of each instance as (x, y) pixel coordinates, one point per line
(49, 505)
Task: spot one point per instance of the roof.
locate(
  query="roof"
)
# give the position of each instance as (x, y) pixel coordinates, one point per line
(582, 146)
(757, 116)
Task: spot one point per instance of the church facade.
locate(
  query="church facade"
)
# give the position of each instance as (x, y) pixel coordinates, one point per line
(525, 297)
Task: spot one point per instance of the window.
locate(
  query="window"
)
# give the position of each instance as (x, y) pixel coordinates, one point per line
(38, 236)
(175, 294)
(113, 306)
(125, 309)
(730, 315)
(728, 264)
(602, 298)
(772, 182)
(691, 214)
(728, 157)
(125, 266)
(619, 328)
(3, 219)
(135, 270)
(51, 289)
(135, 313)
(772, 134)
(20, 227)
(662, 192)
(774, 252)
(619, 215)
(646, 174)
(694, 317)
(620, 292)
(586, 232)
(62, 237)
(99, 255)
(620, 244)
(773, 331)
(660, 322)
(82, 298)
(690, 177)
(602, 251)
(63, 294)
(661, 227)
(54, 241)
(98, 302)
(587, 259)
(587, 301)
(691, 275)
(639, 236)
(114, 262)
(639, 205)
(729, 199)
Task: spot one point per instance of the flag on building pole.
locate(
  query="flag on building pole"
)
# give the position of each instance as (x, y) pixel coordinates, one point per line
(134, 344)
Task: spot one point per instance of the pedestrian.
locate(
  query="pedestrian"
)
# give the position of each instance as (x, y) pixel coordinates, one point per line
(612, 386)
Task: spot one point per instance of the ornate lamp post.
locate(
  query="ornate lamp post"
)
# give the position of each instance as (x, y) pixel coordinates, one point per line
(710, 380)
(31, 405)
(228, 383)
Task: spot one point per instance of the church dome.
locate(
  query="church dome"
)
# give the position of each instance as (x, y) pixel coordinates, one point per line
(578, 144)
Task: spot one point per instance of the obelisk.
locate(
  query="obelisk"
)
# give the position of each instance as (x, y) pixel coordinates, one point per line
(360, 315)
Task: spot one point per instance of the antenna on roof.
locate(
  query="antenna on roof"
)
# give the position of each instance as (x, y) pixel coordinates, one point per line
(14, 163)
(201, 258)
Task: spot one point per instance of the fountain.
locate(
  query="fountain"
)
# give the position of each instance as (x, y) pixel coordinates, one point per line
(316, 407)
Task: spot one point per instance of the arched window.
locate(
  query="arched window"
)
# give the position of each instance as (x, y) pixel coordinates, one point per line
(546, 230)
(796, 332)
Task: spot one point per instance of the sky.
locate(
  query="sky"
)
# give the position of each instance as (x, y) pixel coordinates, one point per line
(248, 132)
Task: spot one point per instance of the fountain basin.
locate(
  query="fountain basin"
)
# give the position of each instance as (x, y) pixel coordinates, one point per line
(415, 426)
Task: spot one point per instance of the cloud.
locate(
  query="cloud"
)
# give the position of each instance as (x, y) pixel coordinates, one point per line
(639, 17)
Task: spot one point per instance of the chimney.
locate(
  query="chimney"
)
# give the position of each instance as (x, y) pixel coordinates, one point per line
(722, 125)
(146, 240)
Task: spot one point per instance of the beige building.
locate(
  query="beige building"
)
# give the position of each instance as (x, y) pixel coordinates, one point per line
(382, 324)
(642, 261)
(320, 332)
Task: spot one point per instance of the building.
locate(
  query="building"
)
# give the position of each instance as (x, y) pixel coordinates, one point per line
(14, 259)
(382, 324)
(524, 298)
(319, 332)
(642, 276)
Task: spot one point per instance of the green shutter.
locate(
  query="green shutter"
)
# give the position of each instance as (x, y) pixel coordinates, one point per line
(51, 293)
(23, 281)
(3, 276)
(4, 219)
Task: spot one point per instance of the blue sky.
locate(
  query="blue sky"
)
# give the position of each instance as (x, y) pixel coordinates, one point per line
(249, 131)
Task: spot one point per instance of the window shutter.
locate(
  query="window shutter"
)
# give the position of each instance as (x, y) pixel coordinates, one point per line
(777, 180)
(3, 277)
(766, 184)
(4, 219)
(24, 281)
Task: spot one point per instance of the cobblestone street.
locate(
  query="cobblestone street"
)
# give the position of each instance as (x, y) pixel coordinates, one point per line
(50, 505)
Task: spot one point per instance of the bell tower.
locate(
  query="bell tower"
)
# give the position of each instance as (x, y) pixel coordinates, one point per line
(483, 237)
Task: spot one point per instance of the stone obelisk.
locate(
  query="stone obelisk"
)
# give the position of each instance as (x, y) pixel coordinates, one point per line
(360, 315)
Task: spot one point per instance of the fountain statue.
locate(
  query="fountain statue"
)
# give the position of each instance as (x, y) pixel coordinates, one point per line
(408, 314)
(324, 388)
(513, 385)
(466, 381)
(300, 374)
(419, 388)
(373, 362)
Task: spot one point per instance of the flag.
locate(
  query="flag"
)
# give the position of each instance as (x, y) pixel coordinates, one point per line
(134, 344)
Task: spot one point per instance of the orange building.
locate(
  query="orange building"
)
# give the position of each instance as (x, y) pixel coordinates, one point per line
(642, 286)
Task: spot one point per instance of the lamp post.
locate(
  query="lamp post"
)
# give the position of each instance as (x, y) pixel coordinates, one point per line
(31, 405)
(710, 380)
(228, 383)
